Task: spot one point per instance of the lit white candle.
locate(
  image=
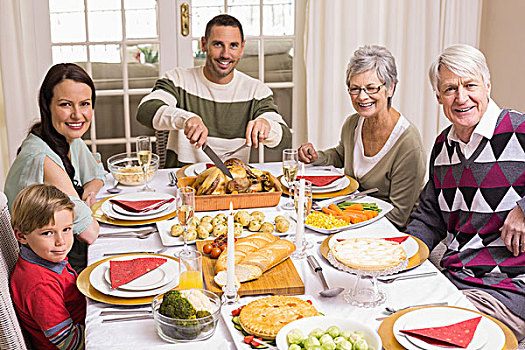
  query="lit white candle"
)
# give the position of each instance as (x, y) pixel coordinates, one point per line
(230, 252)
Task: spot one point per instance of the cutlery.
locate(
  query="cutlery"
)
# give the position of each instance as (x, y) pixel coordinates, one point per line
(141, 235)
(216, 160)
(160, 251)
(114, 189)
(227, 154)
(316, 206)
(406, 277)
(327, 292)
(392, 311)
(124, 312)
(173, 178)
(130, 318)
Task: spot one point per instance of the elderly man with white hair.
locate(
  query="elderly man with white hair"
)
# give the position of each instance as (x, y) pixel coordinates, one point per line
(475, 196)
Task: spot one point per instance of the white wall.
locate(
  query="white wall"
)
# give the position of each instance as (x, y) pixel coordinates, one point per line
(501, 40)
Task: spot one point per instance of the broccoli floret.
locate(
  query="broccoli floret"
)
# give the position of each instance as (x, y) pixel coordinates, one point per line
(202, 313)
(176, 307)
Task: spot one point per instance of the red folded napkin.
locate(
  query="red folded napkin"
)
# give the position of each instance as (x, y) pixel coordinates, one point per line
(141, 206)
(457, 334)
(396, 239)
(321, 180)
(125, 271)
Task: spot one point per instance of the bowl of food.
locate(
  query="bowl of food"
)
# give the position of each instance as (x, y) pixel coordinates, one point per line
(126, 169)
(186, 315)
(327, 332)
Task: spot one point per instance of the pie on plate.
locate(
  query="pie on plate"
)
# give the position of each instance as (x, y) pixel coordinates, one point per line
(369, 253)
(265, 317)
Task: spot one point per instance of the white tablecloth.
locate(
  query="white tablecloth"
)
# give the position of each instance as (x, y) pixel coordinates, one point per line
(142, 334)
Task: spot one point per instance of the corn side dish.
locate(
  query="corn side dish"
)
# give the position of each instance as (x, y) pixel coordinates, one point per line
(324, 221)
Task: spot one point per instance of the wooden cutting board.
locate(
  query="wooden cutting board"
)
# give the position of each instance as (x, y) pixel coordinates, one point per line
(282, 279)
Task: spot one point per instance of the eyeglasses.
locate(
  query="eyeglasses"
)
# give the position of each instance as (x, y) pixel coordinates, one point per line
(369, 90)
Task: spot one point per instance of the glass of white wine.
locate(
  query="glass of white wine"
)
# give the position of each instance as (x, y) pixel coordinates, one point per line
(307, 207)
(185, 209)
(290, 170)
(144, 157)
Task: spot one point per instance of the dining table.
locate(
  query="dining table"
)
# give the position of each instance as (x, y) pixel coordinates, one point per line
(142, 334)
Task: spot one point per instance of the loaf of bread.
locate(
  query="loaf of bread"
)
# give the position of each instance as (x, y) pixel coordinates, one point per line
(245, 246)
(270, 255)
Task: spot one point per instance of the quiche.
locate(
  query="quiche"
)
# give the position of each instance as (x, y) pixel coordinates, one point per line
(265, 317)
(368, 253)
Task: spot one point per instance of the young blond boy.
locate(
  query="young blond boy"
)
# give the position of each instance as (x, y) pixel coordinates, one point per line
(43, 284)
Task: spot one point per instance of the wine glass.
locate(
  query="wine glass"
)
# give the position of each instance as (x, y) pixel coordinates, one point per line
(144, 157)
(290, 170)
(308, 198)
(185, 209)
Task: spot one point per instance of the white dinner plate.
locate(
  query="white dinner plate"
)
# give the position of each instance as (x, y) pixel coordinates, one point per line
(98, 280)
(164, 227)
(384, 206)
(488, 334)
(195, 169)
(337, 185)
(118, 209)
(306, 325)
(409, 245)
(154, 279)
(107, 206)
(237, 336)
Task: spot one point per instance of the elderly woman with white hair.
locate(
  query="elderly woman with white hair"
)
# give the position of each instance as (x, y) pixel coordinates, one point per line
(378, 146)
(475, 196)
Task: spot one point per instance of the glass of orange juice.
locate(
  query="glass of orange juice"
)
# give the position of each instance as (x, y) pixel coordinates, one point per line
(190, 269)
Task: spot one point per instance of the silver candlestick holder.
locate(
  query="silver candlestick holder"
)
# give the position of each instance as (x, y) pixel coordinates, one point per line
(230, 295)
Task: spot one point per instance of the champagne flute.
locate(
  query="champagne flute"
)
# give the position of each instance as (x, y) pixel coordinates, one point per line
(307, 203)
(144, 157)
(290, 170)
(185, 209)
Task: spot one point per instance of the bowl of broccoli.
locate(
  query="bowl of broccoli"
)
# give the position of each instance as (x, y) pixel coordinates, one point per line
(186, 315)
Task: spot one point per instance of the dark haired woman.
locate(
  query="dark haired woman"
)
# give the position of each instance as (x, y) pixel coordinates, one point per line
(54, 153)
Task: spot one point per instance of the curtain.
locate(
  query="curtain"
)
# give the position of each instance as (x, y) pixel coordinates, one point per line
(24, 62)
(415, 31)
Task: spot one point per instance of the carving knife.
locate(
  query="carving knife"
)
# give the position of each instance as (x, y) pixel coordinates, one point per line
(216, 160)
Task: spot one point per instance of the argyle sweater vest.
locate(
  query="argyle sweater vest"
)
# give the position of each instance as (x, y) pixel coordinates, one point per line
(475, 195)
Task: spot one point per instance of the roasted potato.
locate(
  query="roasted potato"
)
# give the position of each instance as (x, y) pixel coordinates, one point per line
(202, 232)
(219, 229)
(242, 217)
(237, 229)
(282, 225)
(257, 215)
(254, 226)
(176, 230)
(266, 227)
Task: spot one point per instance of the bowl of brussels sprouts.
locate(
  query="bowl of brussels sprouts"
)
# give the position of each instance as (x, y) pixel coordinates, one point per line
(327, 333)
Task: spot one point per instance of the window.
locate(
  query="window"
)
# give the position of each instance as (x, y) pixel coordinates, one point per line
(119, 43)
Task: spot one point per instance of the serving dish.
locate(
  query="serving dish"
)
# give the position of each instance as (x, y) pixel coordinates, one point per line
(126, 169)
(240, 201)
(164, 228)
(306, 325)
(416, 260)
(384, 206)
